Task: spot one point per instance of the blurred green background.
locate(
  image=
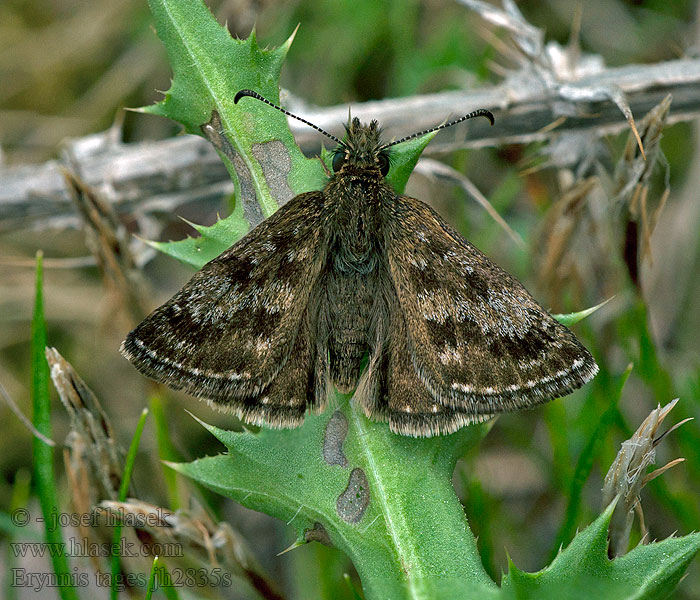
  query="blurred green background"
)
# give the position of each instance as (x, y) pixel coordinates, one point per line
(67, 68)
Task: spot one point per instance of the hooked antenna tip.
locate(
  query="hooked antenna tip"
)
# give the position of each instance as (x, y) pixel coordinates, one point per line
(242, 93)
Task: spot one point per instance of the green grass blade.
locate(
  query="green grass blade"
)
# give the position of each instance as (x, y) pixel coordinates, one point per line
(131, 456)
(166, 449)
(585, 464)
(572, 318)
(166, 583)
(351, 587)
(123, 489)
(43, 453)
(21, 490)
(150, 587)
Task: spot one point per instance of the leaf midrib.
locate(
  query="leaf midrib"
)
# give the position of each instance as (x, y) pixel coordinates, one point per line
(407, 555)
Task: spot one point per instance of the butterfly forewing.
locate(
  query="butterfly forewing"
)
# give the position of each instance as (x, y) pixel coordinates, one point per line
(477, 339)
(232, 328)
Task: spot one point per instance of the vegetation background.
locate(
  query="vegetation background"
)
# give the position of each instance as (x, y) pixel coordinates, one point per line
(68, 67)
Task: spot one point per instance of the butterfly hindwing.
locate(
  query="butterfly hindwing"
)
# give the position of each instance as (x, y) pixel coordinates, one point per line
(390, 389)
(243, 320)
(477, 339)
(411, 408)
(294, 389)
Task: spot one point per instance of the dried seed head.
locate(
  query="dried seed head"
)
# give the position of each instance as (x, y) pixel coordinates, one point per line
(627, 476)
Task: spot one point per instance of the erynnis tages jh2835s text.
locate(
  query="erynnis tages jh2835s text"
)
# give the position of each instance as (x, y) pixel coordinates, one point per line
(359, 288)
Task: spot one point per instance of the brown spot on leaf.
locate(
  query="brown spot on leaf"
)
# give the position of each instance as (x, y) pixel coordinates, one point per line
(276, 163)
(317, 534)
(333, 438)
(214, 132)
(353, 502)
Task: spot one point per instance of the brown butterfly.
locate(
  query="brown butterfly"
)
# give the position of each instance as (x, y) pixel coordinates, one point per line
(356, 287)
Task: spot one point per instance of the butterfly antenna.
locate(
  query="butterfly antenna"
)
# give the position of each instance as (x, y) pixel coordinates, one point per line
(482, 112)
(252, 94)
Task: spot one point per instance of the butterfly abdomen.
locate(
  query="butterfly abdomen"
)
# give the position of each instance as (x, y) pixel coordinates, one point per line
(350, 311)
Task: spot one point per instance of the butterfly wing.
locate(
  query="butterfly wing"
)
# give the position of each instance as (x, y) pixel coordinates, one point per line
(477, 339)
(391, 389)
(245, 319)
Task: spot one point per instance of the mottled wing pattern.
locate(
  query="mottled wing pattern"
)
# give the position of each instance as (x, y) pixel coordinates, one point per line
(476, 338)
(244, 320)
(391, 390)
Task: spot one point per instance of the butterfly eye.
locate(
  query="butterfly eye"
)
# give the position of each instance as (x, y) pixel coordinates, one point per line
(338, 160)
(383, 163)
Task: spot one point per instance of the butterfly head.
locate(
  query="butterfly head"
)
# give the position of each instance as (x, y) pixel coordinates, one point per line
(361, 149)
